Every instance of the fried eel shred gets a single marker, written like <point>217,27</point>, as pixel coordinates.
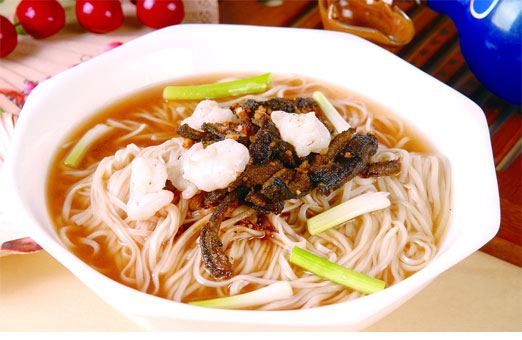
<point>275,173</point>
<point>214,258</point>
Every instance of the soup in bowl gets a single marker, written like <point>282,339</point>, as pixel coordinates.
<point>219,194</point>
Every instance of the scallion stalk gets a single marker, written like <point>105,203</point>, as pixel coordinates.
<point>276,291</point>
<point>334,272</point>
<point>330,112</point>
<point>219,90</point>
<point>78,152</point>
<point>345,211</point>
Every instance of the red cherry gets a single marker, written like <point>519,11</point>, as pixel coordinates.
<point>99,16</point>
<point>8,37</point>
<point>158,14</point>
<point>40,19</point>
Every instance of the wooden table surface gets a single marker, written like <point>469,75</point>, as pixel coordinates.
<point>435,50</point>
<point>29,300</point>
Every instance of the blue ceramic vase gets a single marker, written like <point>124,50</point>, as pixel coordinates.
<point>490,33</point>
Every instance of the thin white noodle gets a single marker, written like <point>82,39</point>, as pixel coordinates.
<point>161,255</point>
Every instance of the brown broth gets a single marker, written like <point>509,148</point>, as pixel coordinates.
<point>58,184</point>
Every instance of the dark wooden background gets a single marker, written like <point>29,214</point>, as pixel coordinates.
<point>435,50</point>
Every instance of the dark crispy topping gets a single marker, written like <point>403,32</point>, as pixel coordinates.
<point>263,204</point>
<point>220,131</point>
<point>379,169</point>
<point>213,132</point>
<point>339,143</point>
<point>298,105</point>
<point>268,145</point>
<point>301,185</point>
<point>330,174</point>
<point>258,111</point>
<point>245,119</point>
<point>256,175</point>
<point>286,153</point>
<point>186,131</point>
<point>263,147</point>
<point>276,188</point>
<point>216,261</point>
<point>275,172</point>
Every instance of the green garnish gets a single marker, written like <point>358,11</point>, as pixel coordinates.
<point>330,112</point>
<point>219,90</point>
<point>334,272</point>
<point>78,152</point>
<point>345,211</point>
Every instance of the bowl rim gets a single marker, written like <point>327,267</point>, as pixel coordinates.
<point>140,303</point>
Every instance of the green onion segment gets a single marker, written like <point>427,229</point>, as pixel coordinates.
<point>345,211</point>
<point>219,90</point>
<point>78,152</point>
<point>334,272</point>
<point>330,112</point>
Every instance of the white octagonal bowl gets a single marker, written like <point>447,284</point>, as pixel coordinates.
<point>451,122</point>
